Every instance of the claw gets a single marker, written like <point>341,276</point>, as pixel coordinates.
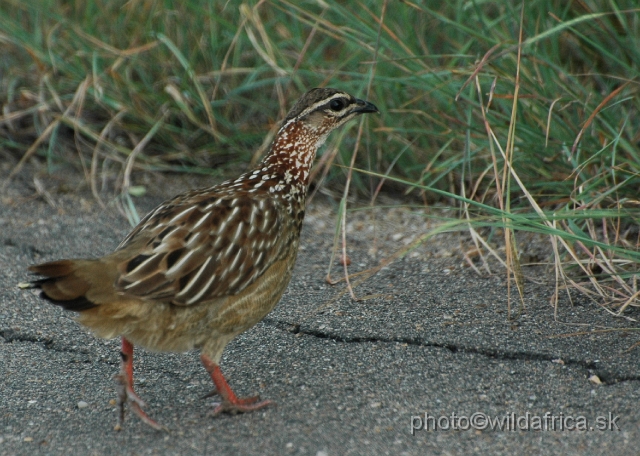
<point>213,392</point>
<point>244,405</point>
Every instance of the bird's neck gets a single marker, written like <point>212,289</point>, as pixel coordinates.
<point>284,172</point>
<point>291,155</point>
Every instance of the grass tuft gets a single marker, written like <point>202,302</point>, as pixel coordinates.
<point>522,116</point>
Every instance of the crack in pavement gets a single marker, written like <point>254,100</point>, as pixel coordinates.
<point>10,335</point>
<point>605,377</point>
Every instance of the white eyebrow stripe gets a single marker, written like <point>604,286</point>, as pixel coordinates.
<point>320,103</point>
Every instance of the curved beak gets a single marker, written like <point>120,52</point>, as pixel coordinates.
<point>364,106</point>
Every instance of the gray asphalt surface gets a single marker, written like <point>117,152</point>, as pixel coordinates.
<point>348,377</point>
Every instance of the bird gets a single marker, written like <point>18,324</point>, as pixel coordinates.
<point>207,264</point>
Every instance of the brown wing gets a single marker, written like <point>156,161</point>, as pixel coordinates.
<point>199,247</point>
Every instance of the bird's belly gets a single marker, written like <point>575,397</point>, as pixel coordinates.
<point>210,325</point>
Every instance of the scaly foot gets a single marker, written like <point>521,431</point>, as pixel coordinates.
<point>126,392</point>
<point>230,402</point>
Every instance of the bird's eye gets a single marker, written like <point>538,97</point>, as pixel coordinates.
<point>337,104</point>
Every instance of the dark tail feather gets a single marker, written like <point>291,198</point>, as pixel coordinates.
<point>61,285</point>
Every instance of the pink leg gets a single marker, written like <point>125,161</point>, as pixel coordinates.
<point>126,392</point>
<point>230,402</point>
